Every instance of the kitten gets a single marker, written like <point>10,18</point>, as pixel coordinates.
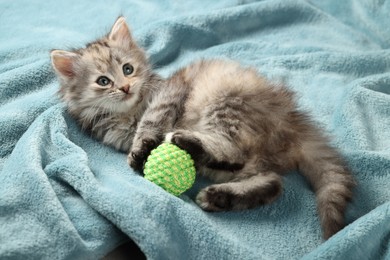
<point>242,131</point>
<point>107,85</point>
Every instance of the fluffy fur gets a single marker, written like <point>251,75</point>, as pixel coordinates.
<point>242,131</point>
<point>111,112</point>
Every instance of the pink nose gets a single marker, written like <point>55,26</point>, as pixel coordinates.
<point>125,88</point>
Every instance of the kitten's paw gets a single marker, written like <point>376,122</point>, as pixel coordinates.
<point>188,142</point>
<point>216,198</point>
<point>138,155</point>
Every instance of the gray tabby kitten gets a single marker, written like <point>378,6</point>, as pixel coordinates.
<point>242,131</point>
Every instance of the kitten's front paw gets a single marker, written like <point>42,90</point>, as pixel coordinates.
<point>138,155</point>
<point>216,198</point>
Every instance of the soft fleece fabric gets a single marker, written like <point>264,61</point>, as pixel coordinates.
<point>65,196</point>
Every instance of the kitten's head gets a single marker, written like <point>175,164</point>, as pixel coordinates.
<point>108,75</point>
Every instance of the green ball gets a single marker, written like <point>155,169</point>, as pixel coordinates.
<point>171,168</point>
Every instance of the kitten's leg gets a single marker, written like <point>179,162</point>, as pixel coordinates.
<point>158,119</point>
<point>212,150</point>
<point>259,189</point>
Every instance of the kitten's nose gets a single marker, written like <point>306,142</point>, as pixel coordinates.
<point>125,88</point>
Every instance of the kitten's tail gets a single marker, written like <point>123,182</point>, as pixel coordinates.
<point>333,184</point>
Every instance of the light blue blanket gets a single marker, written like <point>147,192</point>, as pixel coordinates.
<point>65,196</point>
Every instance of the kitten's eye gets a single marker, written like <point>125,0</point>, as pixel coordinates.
<point>127,69</point>
<point>103,81</point>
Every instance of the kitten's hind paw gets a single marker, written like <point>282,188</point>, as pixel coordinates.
<point>248,193</point>
<point>213,198</point>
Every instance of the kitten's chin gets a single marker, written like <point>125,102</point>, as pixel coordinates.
<point>127,103</point>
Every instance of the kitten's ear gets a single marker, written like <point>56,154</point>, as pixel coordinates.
<point>64,62</point>
<point>120,31</point>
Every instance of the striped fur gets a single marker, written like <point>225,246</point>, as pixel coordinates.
<point>242,131</point>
